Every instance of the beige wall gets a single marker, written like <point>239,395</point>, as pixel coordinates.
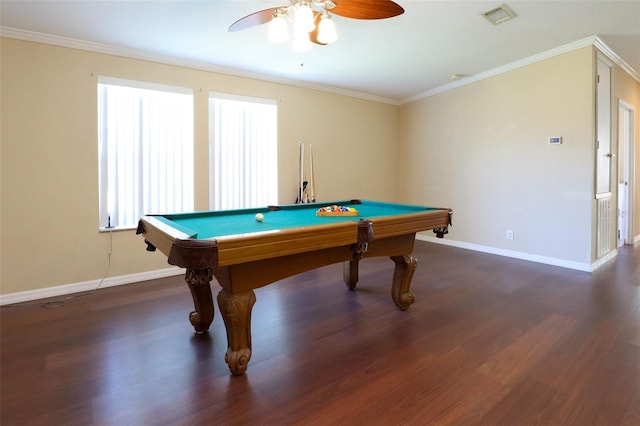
<point>49,174</point>
<point>483,150</point>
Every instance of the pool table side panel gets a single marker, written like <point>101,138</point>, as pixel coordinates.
<point>253,247</point>
<point>411,223</point>
<point>242,277</point>
<point>247,276</point>
<point>392,246</point>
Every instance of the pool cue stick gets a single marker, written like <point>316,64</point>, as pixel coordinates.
<point>312,180</point>
<point>300,172</point>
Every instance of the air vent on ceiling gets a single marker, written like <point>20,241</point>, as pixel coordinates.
<point>499,14</point>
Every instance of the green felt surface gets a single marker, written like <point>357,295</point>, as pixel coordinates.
<point>202,225</point>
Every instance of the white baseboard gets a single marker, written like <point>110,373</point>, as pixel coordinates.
<point>586,267</point>
<point>604,259</point>
<point>63,290</point>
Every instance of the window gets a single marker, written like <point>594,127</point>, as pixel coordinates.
<point>145,149</point>
<point>243,149</point>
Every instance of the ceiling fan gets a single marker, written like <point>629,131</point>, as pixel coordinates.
<point>311,19</point>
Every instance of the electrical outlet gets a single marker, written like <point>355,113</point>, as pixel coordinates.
<point>509,234</point>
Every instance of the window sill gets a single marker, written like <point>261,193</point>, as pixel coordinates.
<point>104,229</point>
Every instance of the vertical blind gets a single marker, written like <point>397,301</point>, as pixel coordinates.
<point>145,150</point>
<point>243,152</point>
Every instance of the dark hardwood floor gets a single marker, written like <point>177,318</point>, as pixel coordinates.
<point>489,341</point>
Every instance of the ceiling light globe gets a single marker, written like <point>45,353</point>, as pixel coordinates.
<point>327,30</point>
<point>303,17</point>
<point>278,30</point>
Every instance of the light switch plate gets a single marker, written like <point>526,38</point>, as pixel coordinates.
<point>555,140</point>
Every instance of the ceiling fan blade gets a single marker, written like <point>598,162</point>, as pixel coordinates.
<point>254,19</point>
<point>367,9</point>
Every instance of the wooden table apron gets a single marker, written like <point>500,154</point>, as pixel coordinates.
<point>241,264</point>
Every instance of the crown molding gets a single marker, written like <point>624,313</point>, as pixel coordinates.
<point>125,52</point>
<point>615,58</point>
<point>236,72</point>
<point>585,42</point>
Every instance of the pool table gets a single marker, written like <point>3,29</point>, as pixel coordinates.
<point>243,253</point>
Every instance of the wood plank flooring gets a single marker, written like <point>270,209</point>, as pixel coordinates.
<point>489,341</point>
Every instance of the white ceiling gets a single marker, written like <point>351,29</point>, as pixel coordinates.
<point>392,59</point>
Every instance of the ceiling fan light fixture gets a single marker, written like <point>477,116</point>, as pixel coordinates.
<point>312,21</point>
<point>327,29</point>
<point>278,30</point>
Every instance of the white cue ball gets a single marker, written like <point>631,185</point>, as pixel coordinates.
<point>259,217</point>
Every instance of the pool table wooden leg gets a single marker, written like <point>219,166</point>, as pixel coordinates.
<point>350,273</point>
<point>402,275</point>
<point>350,268</point>
<point>199,281</point>
<point>236,312</point>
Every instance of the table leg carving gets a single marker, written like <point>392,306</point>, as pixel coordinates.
<point>199,281</point>
<point>402,275</point>
<point>236,312</point>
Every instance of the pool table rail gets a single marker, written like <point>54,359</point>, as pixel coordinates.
<point>243,248</point>
<point>248,247</point>
<point>265,245</point>
<point>411,223</point>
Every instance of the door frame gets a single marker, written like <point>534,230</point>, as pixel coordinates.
<point>626,153</point>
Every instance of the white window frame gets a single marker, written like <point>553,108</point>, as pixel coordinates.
<point>159,160</point>
<point>243,156</point>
